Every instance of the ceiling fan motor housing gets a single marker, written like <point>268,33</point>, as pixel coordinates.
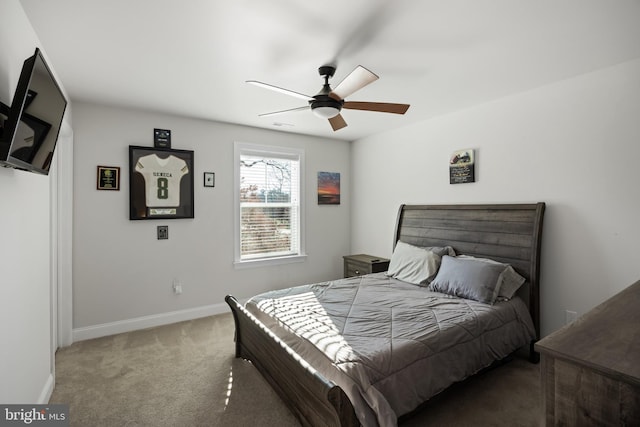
<point>323,105</point>
<point>324,100</point>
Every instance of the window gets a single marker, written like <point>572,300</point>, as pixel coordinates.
<point>269,220</point>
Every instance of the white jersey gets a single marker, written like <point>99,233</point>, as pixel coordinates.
<point>162,179</point>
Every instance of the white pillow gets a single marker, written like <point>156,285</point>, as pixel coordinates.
<point>413,264</point>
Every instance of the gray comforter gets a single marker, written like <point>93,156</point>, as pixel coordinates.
<point>391,345</point>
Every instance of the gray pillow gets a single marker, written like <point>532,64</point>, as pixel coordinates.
<point>468,278</point>
<point>510,280</point>
<point>441,250</point>
<point>413,264</point>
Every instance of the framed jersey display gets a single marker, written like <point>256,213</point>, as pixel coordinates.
<point>160,183</point>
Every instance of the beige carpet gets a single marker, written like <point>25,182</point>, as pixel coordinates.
<point>185,375</point>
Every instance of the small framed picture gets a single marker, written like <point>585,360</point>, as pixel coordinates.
<point>462,168</point>
<point>328,188</point>
<point>162,138</point>
<point>108,178</point>
<point>209,179</point>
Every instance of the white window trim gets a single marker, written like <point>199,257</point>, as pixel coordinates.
<point>266,150</point>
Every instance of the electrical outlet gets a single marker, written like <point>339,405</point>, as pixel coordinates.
<point>569,316</point>
<point>177,287</point>
<point>163,232</point>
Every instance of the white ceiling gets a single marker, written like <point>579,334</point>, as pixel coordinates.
<point>192,57</point>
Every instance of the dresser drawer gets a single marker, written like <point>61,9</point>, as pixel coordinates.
<point>357,265</point>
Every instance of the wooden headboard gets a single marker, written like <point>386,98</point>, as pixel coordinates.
<point>509,233</point>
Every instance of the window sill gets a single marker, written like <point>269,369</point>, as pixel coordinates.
<point>263,262</point>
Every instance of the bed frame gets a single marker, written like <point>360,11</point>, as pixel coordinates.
<point>508,233</point>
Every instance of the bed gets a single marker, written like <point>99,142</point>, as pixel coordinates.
<point>367,350</point>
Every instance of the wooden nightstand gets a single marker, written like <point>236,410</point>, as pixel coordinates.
<point>357,265</point>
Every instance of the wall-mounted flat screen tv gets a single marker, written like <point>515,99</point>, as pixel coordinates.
<point>30,127</point>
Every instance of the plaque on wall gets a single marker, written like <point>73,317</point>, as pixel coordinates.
<point>108,178</point>
<point>462,167</point>
<point>162,138</point>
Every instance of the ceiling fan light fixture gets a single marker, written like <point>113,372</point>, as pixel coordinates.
<point>326,112</point>
<point>324,106</point>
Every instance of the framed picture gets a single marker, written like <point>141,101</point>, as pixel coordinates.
<point>162,138</point>
<point>328,188</point>
<point>160,183</point>
<point>462,167</point>
<point>108,178</point>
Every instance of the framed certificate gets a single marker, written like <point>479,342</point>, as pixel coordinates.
<point>160,183</point>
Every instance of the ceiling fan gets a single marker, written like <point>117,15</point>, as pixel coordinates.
<point>328,103</point>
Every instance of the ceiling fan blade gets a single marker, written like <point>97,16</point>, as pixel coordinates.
<point>281,90</point>
<point>359,78</point>
<point>337,122</point>
<point>306,107</point>
<point>382,107</point>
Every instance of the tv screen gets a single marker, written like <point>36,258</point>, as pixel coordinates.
<point>32,124</point>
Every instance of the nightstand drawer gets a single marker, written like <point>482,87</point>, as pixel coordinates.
<point>357,265</point>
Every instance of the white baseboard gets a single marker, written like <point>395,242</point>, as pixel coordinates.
<point>47,390</point>
<point>112,328</point>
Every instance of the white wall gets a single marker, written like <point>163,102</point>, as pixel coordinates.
<point>123,275</point>
<point>26,355</point>
<point>574,145</point>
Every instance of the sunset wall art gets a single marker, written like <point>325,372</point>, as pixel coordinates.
<point>328,188</point>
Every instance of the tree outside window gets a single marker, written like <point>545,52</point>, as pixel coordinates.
<point>269,204</point>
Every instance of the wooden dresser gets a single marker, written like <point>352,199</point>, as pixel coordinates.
<point>590,369</point>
